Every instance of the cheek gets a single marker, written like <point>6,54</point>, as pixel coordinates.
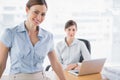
<point>68,33</point>
<point>30,15</point>
<point>42,18</point>
<point>74,32</point>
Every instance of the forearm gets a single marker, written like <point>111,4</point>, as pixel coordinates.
<point>1,70</point>
<point>2,67</point>
<point>59,71</point>
<point>3,57</point>
<point>56,65</point>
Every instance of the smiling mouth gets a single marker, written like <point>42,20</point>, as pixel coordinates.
<point>36,21</point>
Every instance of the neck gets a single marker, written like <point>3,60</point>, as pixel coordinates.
<point>30,27</point>
<point>69,41</point>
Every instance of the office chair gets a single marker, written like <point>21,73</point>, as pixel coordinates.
<point>87,43</point>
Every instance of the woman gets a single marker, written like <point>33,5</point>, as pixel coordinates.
<point>70,49</point>
<point>28,44</point>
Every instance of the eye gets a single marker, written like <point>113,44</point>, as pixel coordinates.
<point>69,29</point>
<point>73,29</point>
<point>43,14</point>
<point>36,12</point>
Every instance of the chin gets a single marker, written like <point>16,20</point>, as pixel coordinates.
<point>71,37</point>
<point>35,24</point>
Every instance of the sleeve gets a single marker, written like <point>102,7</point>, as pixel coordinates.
<point>6,38</point>
<point>85,52</point>
<point>58,53</point>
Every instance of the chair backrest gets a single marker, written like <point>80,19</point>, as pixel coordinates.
<point>87,43</point>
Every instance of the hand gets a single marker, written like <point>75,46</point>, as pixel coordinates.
<point>71,66</point>
<point>77,68</point>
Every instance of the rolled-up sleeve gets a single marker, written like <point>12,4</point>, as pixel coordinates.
<point>6,37</point>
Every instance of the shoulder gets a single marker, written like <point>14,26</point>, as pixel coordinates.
<point>79,42</point>
<point>6,36</point>
<point>7,31</point>
<point>46,33</point>
<point>14,28</point>
<point>61,44</point>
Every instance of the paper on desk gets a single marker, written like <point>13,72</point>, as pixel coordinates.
<point>112,72</point>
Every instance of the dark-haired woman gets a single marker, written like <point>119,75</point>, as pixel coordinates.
<point>28,44</point>
<point>70,49</point>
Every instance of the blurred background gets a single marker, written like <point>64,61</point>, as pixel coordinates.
<point>98,21</point>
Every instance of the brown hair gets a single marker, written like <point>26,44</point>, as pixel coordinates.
<point>30,3</point>
<point>70,23</point>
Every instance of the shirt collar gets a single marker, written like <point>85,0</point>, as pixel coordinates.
<point>22,28</point>
<point>41,33</point>
<point>75,41</point>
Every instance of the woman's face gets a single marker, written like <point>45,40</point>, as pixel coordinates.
<point>71,31</point>
<point>36,14</point>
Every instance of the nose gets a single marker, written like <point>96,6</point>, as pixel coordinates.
<point>72,32</point>
<point>39,17</point>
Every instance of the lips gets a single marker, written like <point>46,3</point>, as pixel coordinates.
<point>36,21</point>
<point>71,35</point>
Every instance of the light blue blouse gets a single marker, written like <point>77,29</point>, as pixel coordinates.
<point>71,54</point>
<point>24,57</point>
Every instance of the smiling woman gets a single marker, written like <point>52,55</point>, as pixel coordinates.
<point>28,44</point>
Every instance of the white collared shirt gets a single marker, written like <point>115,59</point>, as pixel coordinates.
<point>71,54</point>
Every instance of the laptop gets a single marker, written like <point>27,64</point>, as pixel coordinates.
<point>89,67</point>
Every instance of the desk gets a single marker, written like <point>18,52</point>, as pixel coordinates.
<point>85,77</point>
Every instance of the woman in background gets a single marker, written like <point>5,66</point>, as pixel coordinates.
<point>70,49</point>
<point>28,45</point>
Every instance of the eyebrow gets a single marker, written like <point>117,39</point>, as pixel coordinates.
<point>39,11</point>
<point>36,10</point>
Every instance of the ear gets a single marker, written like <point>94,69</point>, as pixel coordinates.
<point>65,30</point>
<point>27,10</point>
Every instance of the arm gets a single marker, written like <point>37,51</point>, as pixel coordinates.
<point>85,52</point>
<point>58,51</point>
<point>66,67</point>
<point>3,57</point>
<point>56,65</point>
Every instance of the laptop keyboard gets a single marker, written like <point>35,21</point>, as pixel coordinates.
<point>75,71</point>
